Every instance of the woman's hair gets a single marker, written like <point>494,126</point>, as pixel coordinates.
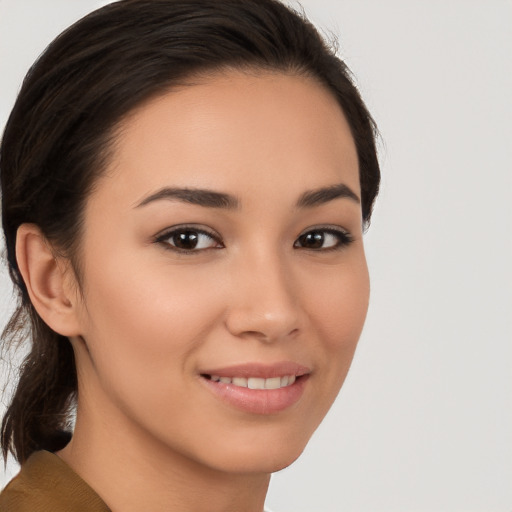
<point>62,128</point>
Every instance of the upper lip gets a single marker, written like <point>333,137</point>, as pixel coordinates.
<point>261,370</point>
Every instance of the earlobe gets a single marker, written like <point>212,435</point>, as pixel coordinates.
<point>46,278</point>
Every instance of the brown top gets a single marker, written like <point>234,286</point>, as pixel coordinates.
<point>47,484</point>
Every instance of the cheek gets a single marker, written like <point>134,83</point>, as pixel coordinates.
<point>146,322</point>
<point>340,305</point>
<point>338,311</point>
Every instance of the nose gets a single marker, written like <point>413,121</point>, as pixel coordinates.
<point>264,303</point>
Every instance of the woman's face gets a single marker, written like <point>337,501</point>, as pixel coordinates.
<point>222,251</point>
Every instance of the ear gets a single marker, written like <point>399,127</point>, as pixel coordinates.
<point>49,279</point>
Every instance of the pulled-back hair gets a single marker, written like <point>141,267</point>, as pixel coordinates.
<point>58,137</point>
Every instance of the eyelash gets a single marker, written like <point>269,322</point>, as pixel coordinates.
<point>163,239</point>
<point>343,239</point>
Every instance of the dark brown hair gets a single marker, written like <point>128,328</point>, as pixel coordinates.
<point>57,139</point>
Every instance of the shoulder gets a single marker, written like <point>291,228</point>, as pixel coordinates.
<point>46,483</point>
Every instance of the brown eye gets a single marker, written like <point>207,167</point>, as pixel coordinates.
<point>312,240</point>
<point>318,239</point>
<point>187,239</point>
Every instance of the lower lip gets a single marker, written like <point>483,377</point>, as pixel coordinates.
<point>258,401</point>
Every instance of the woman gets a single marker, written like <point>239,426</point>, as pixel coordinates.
<point>185,186</point>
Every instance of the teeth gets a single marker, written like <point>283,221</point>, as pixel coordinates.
<point>274,383</point>
<point>256,382</point>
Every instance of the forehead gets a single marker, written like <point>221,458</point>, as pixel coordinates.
<point>237,131</point>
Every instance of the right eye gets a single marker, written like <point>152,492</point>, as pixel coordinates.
<point>189,239</point>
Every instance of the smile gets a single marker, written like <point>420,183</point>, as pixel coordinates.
<point>256,382</point>
<point>258,388</point>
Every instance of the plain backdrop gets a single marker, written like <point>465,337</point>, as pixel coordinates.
<point>424,421</point>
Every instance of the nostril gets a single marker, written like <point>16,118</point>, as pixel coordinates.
<point>265,320</point>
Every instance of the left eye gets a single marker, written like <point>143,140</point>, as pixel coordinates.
<point>318,239</point>
<point>187,239</point>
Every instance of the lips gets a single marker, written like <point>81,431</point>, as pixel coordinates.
<point>258,388</point>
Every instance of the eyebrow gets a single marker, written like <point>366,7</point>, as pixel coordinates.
<point>326,194</point>
<point>200,197</point>
<point>212,199</point>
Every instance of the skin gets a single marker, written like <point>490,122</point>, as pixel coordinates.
<point>146,318</point>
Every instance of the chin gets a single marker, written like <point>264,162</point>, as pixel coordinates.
<point>258,463</point>
<point>257,454</point>
<point>277,460</point>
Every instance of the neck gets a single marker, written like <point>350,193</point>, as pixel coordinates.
<point>131,472</point>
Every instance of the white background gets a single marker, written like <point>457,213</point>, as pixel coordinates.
<point>424,422</point>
